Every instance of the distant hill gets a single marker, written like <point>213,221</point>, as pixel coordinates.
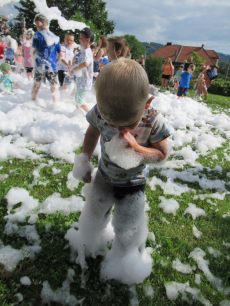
<point>152,47</point>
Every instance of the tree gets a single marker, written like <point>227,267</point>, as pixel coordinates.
<point>135,45</point>
<point>197,60</point>
<point>153,68</point>
<point>92,11</point>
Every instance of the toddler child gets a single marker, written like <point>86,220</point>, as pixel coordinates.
<point>18,58</point>
<point>102,62</point>
<point>123,109</point>
<point>184,80</point>
<point>27,55</point>
<point>67,51</point>
<point>6,80</point>
<point>9,52</point>
<point>177,75</point>
<point>116,47</point>
<point>46,47</point>
<point>85,65</point>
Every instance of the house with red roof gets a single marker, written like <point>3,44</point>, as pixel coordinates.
<point>180,53</point>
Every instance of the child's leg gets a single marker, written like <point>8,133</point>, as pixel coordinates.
<point>128,261</point>
<point>35,90</point>
<point>92,237</point>
<point>162,83</point>
<point>52,78</point>
<point>55,92</point>
<point>80,99</point>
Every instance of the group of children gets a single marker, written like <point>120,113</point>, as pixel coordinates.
<point>46,59</point>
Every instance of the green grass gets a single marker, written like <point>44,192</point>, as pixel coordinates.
<point>176,239</point>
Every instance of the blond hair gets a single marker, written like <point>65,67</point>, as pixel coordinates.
<point>192,67</point>
<point>122,90</point>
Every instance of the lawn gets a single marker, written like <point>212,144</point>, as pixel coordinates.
<point>208,281</point>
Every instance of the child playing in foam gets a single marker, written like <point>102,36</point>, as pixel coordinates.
<point>46,47</point>
<point>85,64</point>
<point>26,53</point>
<point>122,110</point>
<point>10,50</point>
<point>6,80</point>
<point>67,50</point>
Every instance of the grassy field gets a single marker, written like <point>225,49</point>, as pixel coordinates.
<point>173,240</point>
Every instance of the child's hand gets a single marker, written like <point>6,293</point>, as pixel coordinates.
<point>71,73</point>
<point>82,168</point>
<point>131,141</point>
<point>177,85</point>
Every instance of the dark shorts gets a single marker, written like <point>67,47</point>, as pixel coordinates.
<point>182,91</point>
<point>10,61</point>
<point>121,192</point>
<point>166,77</point>
<point>29,69</point>
<point>51,76</point>
<point>61,76</point>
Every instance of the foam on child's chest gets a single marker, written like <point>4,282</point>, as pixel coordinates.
<point>118,152</point>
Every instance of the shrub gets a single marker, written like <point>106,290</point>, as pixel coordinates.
<point>220,87</point>
<point>153,68</point>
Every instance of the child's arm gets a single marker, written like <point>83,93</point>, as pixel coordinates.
<point>99,55</point>
<point>82,167</point>
<point>178,81</point>
<point>156,153</point>
<point>16,84</point>
<point>81,66</point>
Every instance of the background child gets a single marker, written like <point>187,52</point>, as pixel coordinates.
<point>184,80</point>
<point>7,80</point>
<point>10,51</point>
<point>67,51</point>
<point>200,88</point>
<point>85,64</point>
<point>19,59</point>
<point>167,70</point>
<point>102,62</point>
<point>116,47</point>
<point>26,53</point>
<point>46,48</point>
<point>124,112</point>
<point>177,75</point>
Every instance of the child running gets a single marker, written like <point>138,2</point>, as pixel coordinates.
<point>123,108</point>
<point>85,65</point>
<point>7,80</point>
<point>46,48</point>
<point>26,53</point>
<point>183,81</point>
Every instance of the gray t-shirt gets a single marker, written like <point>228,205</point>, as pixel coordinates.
<point>86,80</point>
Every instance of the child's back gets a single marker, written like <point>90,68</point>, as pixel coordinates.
<point>47,46</point>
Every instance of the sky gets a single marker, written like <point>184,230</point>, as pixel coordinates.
<point>188,22</point>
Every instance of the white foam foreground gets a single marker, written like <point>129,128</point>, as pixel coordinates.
<point>31,129</point>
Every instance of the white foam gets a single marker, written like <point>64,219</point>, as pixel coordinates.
<point>183,268</point>
<point>194,211</point>
<point>25,281</point>
<point>169,205</point>
<point>196,232</point>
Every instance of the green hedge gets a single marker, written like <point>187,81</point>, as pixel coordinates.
<point>153,68</point>
<point>220,87</point>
